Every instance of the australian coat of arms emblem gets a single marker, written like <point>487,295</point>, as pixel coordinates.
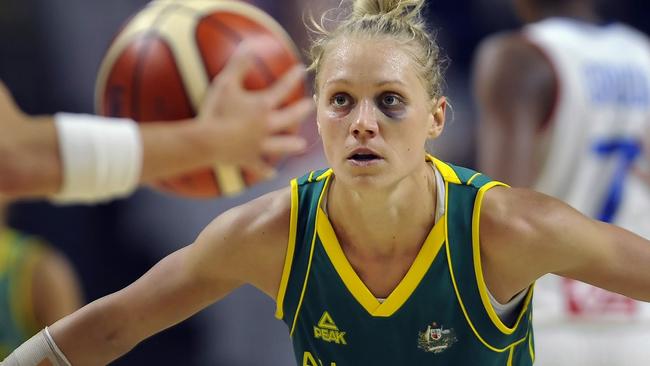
<point>436,338</point>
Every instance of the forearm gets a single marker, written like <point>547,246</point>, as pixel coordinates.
<point>630,264</point>
<point>619,262</point>
<point>96,334</point>
<point>30,164</point>
<point>173,148</point>
<point>109,327</point>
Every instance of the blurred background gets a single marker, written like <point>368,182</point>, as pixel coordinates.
<point>50,51</point>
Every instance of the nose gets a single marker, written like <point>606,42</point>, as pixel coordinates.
<point>365,125</point>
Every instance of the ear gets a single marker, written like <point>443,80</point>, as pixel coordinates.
<point>437,118</point>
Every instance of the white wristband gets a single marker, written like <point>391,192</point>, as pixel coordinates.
<point>101,157</point>
<point>34,351</point>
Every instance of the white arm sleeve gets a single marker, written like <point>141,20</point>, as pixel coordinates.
<point>37,349</point>
<point>101,157</point>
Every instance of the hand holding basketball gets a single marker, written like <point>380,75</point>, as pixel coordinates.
<point>251,122</point>
<point>162,63</point>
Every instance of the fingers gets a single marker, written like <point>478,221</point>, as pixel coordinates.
<point>233,73</point>
<point>239,63</point>
<point>283,145</point>
<point>291,116</point>
<point>283,87</point>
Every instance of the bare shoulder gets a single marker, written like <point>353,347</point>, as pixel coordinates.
<point>520,212</point>
<point>521,216</point>
<point>248,242</point>
<point>509,218</point>
<point>263,218</point>
<point>524,235</point>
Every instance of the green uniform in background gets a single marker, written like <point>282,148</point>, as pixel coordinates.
<point>439,314</point>
<point>18,255</point>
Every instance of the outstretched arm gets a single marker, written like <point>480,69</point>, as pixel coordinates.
<point>234,126</point>
<point>525,235</point>
<point>244,245</point>
<point>514,86</point>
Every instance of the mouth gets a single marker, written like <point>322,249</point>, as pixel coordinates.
<point>364,157</point>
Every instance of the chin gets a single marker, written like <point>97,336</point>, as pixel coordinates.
<point>363,179</point>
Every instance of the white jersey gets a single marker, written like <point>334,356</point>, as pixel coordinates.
<point>601,116</point>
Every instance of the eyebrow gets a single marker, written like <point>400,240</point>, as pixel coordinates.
<point>392,81</point>
<point>337,81</point>
<point>348,82</point>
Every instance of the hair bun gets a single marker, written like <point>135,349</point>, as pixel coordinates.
<point>404,9</point>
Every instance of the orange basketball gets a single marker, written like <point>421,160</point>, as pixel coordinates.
<point>161,63</point>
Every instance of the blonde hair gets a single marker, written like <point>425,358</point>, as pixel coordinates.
<point>400,20</point>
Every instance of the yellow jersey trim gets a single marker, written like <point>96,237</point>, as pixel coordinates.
<point>478,268</point>
<point>326,174</point>
<point>355,285</point>
<point>445,170</point>
<point>472,178</point>
<point>291,248</point>
<point>311,253</point>
<point>460,300</point>
<point>512,351</point>
<point>530,347</point>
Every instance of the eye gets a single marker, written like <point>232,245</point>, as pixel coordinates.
<point>340,100</point>
<point>390,100</point>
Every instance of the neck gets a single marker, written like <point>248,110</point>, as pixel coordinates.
<point>384,222</point>
<point>580,10</point>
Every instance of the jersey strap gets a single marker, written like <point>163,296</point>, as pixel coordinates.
<point>306,195</point>
<point>470,287</point>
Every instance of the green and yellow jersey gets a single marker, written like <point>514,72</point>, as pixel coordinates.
<point>18,256</point>
<point>439,314</point>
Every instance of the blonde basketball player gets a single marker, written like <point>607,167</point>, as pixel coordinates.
<point>565,108</point>
<point>391,257</point>
<point>66,157</point>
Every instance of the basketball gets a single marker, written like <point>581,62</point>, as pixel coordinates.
<point>161,63</point>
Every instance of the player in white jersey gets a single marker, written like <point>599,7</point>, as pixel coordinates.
<point>564,108</point>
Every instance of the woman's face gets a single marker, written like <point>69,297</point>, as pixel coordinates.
<point>374,114</point>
